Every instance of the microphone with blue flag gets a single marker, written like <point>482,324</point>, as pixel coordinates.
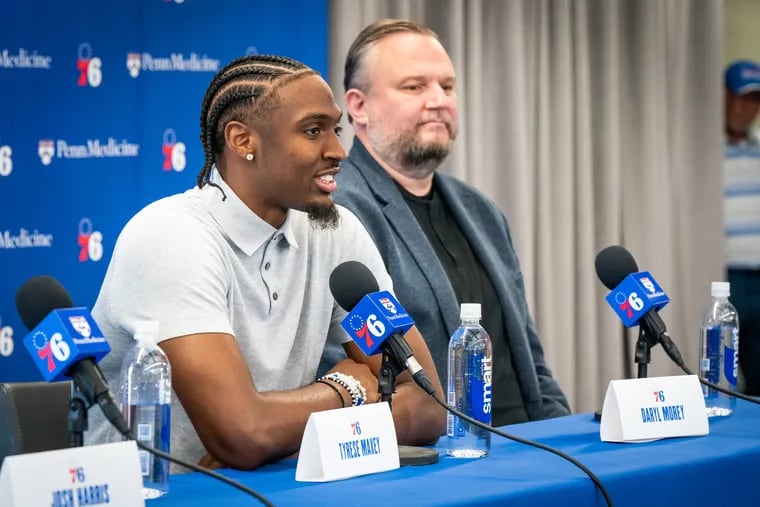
<point>65,342</point>
<point>376,321</point>
<point>63,338</point>
<point>634,297</point>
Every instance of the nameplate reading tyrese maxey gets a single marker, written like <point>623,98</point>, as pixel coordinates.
<point>637,410</point>
<point>107,474</point>
<point>347,442</point>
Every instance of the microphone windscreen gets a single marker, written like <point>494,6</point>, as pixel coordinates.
<point>350,282</point>
<point>613,264</point>
<point>39,296</point>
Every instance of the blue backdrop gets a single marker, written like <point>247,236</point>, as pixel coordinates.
<point>100,107</point>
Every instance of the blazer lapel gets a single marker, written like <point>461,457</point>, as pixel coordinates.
<point>404,222</point>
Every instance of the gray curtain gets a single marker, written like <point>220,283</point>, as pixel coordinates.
<point>590,123</point>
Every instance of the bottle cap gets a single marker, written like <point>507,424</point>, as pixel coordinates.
<point>146,331</point>
<point>720,289</point>
<point>469,311</point>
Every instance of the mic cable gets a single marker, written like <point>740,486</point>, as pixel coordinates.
<point>532,443</point>
<point>197,468</point>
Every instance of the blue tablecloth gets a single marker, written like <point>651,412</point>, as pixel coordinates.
<point>718,469</point>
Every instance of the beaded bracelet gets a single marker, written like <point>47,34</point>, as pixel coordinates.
<point>331,386</point>
<point>350,384</point>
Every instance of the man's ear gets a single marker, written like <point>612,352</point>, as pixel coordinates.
<point>240,139</point>
<point>356,106</point>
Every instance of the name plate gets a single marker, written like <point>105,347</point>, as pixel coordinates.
<point>347,442</point>
<point>107,474</point>
<point>637,410</point>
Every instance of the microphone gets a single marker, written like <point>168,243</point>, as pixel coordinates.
<point>65,342</point>
<point>376,320</point>
<point>635,296</point>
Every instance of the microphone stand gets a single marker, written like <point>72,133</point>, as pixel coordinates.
<point>386,378</point>
<point>643,354</point>
<point>392,364</point>
<point>77,422</point>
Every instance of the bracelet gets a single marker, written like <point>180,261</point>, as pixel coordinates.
<point>331,386</point>
<point>350,384</point>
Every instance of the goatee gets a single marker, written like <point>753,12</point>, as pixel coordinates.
<point>323,216</point>
<point>423,160</point>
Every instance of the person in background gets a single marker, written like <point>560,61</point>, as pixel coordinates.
<point>236,273</point>
<point>443,242</point>
<point>742,212</point>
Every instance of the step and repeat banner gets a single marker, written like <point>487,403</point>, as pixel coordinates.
<point>99,115</point>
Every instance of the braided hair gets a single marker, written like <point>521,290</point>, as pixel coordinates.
<point>243,90</point>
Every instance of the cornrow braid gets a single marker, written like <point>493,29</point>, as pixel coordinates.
<point>243,89</point>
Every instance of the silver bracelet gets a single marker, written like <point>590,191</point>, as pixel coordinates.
<point>354,387</point>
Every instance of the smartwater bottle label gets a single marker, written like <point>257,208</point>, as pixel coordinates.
<point>731,365</point>
<point>713,339</point>
<point>480,388</point>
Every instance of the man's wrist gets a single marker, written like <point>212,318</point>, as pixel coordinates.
<point>354,388</point>
<point>338,390</point>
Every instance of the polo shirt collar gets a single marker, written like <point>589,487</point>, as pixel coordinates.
<point>244,227</point>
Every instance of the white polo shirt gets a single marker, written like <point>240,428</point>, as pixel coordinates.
<point>198,264</point>
<point>741,165</point>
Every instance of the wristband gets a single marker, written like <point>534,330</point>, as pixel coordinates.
<point>331,386</point>
<point>350,384</point>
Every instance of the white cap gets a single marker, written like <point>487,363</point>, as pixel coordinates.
<point>469,311</point>
<point>720,289</point>
<point>146,331</point>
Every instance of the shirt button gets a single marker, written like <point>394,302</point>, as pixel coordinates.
<point>274,296</point>
<point>266,266</point>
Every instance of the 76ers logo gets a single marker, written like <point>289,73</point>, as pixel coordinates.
<point>174,152</point>
<point>55,349</point>
<point>6,162</point>
<point>89,67</point>
<point>366,330</point>
<point>629,304</point>
<point>6,340</point>
<point>90,242</point>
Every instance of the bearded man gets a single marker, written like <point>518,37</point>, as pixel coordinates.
<point>443,242</point>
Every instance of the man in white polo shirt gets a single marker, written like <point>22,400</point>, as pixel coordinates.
<point>742,211</point>
<point>236,272</point>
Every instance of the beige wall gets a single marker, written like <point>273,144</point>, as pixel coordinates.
<point>742,38</point>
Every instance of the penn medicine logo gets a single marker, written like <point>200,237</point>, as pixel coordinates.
<point>49,149</point>
<point>46,151</point>
<point>175,62</point>
<point>89,66</point>
<point>24,59</point>
<point>6,339</point>
<point>388,304</point>
<point>174,152</point>
<point>80,325</point>
<point>90,242</point>
<point>24,239</point>
<point>6,160</point>
<point>648,285</point>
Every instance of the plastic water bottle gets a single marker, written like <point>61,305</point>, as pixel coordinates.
<point>145,400</point>
<point>719,350</point>
<point>469,386</point>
